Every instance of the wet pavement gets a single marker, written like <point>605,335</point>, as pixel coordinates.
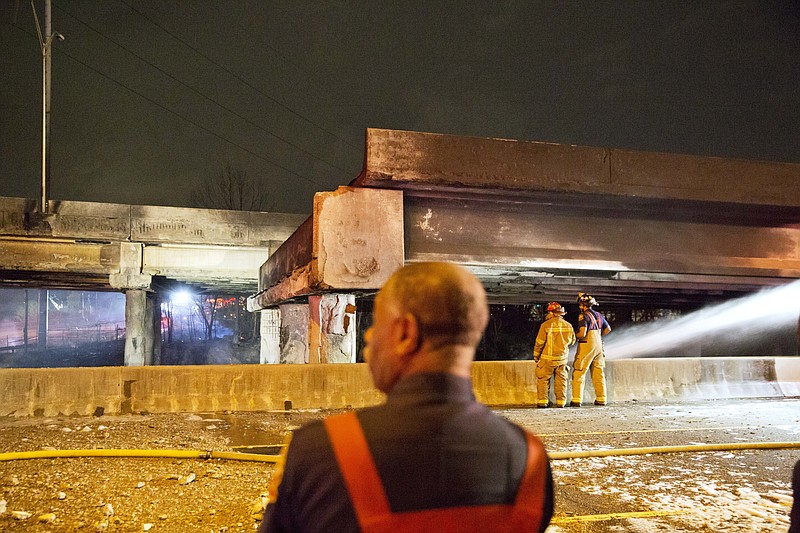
<point>740,490</point>
<point>747,490</point>
<point>736,491</point>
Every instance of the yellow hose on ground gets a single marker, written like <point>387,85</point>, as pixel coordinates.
<point>166,454</point>
<point>240,456</point>
<point>556,456</point>
<point>256,457</point>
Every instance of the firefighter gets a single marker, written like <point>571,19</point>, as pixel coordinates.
<point>589,357</point>
<point>550,352</point>
<point>431,458</point>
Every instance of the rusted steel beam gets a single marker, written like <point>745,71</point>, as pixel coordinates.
<point>290,257</point>
<point>537,220</point>
<point>477,233</point>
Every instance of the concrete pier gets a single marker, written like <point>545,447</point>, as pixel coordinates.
<point>140,333</point>
<point>294,333</point>
<point>164,389</point>
<point>270,329</point>
<point>332,328</point>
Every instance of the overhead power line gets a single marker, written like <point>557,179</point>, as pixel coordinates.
<point>190,121</point>
<point>199,93</point>
<point>242,80</point>
<point>200,126</point>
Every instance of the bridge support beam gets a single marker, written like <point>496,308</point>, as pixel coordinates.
<point>294,333</point>
<point>332,328</point>
<point>139,331</point>
<point>321,331</point>
<point>270,336</point>
<point>353,242</point>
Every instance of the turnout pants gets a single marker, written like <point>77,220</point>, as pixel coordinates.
<point>546,370</point>
<point>589,357</point>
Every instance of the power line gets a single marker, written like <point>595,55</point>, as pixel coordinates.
<point>245,82</point>
<point>247,120</point>
<point>199,126</point>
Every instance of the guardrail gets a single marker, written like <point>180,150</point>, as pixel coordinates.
<point>100,332</point>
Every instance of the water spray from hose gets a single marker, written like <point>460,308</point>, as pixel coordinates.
<point>762,315</point>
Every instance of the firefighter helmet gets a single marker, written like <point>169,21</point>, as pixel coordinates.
<point>557,308</point>
<point>586,299</point>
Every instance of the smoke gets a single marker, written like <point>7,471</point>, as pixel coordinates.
<point>758,316</point>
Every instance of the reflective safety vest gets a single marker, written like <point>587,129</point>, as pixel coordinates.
<point>372,507</point>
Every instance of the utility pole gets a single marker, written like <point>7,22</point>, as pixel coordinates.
<point>45,42</point>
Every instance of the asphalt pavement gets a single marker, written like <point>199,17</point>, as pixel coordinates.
<point>733,490</point>
<point>730,490</point>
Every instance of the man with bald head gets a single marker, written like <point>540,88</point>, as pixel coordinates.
<point>431,458</point>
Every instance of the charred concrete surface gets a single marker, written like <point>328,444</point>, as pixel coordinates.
<point>353,241</point>
<point>415,160</point>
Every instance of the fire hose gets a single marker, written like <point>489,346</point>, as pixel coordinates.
<point>256,457</point>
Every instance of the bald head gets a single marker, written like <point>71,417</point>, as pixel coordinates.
<point>428,317</point>
<point>448,302</point>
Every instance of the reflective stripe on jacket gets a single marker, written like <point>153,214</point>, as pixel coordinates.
<point>371,505</point>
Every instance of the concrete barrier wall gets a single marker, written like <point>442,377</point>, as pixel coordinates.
<point>159,389</point>
<point>164,389</point>
<point>695,378</point>
<point>787,374</point>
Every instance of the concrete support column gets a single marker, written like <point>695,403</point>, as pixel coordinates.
<point>154,301</point>
<point>138,328</point>
<point>44,318</point>
<point>270,336</point>
<point>294,333</point>
<point>332,328</point>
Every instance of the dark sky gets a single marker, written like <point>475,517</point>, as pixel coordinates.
<point>150,97</point>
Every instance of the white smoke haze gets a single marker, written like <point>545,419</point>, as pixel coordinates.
<point>758,316</point>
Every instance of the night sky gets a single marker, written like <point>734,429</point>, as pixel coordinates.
<point>150,97</point>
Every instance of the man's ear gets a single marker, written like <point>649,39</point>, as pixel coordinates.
<point>409,341</point>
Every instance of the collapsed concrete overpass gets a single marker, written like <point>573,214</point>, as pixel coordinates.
<point>536,222</point>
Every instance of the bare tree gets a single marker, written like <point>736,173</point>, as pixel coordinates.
<point>207,307</point>
<point>232,189</point>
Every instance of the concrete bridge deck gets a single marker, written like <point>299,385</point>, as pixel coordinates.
<point>145,251</point>
<point>85,245</point>
<point>540,221</point>
<point>169,389</point>
<point>534,221</point>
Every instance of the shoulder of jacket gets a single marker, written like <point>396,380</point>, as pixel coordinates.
<point>309,436</point>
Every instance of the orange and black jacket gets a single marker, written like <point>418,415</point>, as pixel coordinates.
<point>430,458</point>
